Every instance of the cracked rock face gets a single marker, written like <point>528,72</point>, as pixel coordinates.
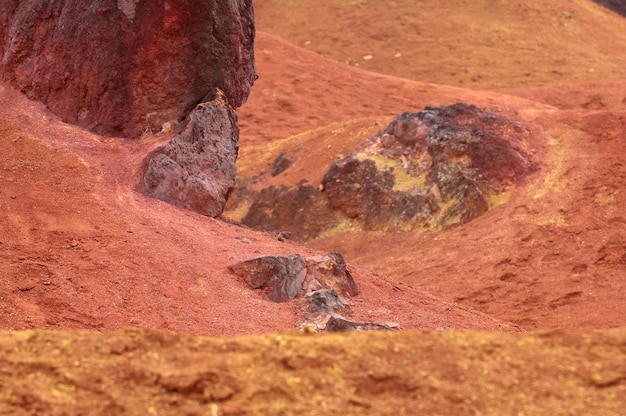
<point>122,67</point>
<point>433,169</point>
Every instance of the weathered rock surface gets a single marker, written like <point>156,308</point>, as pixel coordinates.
<point>196,169</point>
<point>433,169</point>
<point>325,310</point>
<point>338,323</point>
<point>283,278</point>
<point>301,211</point>
<point>120,67</point>
<point>328,301</point>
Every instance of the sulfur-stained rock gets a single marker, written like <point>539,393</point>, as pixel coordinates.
<point>283,278</point>
<point>438,167</point>
<point>196,169</point>
<point>121,67</point>
<point>430,170</point>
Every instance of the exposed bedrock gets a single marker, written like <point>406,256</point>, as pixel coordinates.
<point>122,67</point>
<point>433,169</point>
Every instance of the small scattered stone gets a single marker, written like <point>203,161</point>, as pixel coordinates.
<point>281,164</point>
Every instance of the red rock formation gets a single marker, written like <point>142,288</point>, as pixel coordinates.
<point>120,67</point>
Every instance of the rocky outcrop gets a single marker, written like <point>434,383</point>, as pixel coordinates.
<point>196,169</point>
<point>439,167</point>
<point>433,169</point>
<point>318,283</point>
<point>283,278</point>
<point>121,67</point>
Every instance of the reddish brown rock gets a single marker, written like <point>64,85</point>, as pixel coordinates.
<point>433,169</point>
<point>436,168</point>
<point>301,211</point>
<point>283,278</point>
<point>120,67</point>
<point>196,169</point>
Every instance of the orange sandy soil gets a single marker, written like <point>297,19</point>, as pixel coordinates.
<point>79,249</point>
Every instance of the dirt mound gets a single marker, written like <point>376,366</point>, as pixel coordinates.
<point>460,373</point>
<point>478,44</point>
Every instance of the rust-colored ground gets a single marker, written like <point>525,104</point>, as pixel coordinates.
<point>79,249</point>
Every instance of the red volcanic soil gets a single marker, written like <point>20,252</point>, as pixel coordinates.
<point>81,249</point>
<point>550,256</point>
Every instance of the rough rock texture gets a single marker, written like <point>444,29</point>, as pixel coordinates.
<point>338,323</point>
<point>325,310</point>
<point>433,169</point>
<point>301,211</point>
<point>120,67</point>
<point>283,278</point>
<point>328,301</point>
<point>438,167</point>
<point>196,169</point>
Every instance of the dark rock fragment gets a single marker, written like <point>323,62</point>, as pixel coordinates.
<point>328,301</point>
<point>281,164</point>
<point>283,278</point>
<point>302,211</point>
<point>325,310</point>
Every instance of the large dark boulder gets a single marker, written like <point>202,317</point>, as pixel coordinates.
<point>121,67</point>
<point>438,167</point>
<point>434,169</point>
